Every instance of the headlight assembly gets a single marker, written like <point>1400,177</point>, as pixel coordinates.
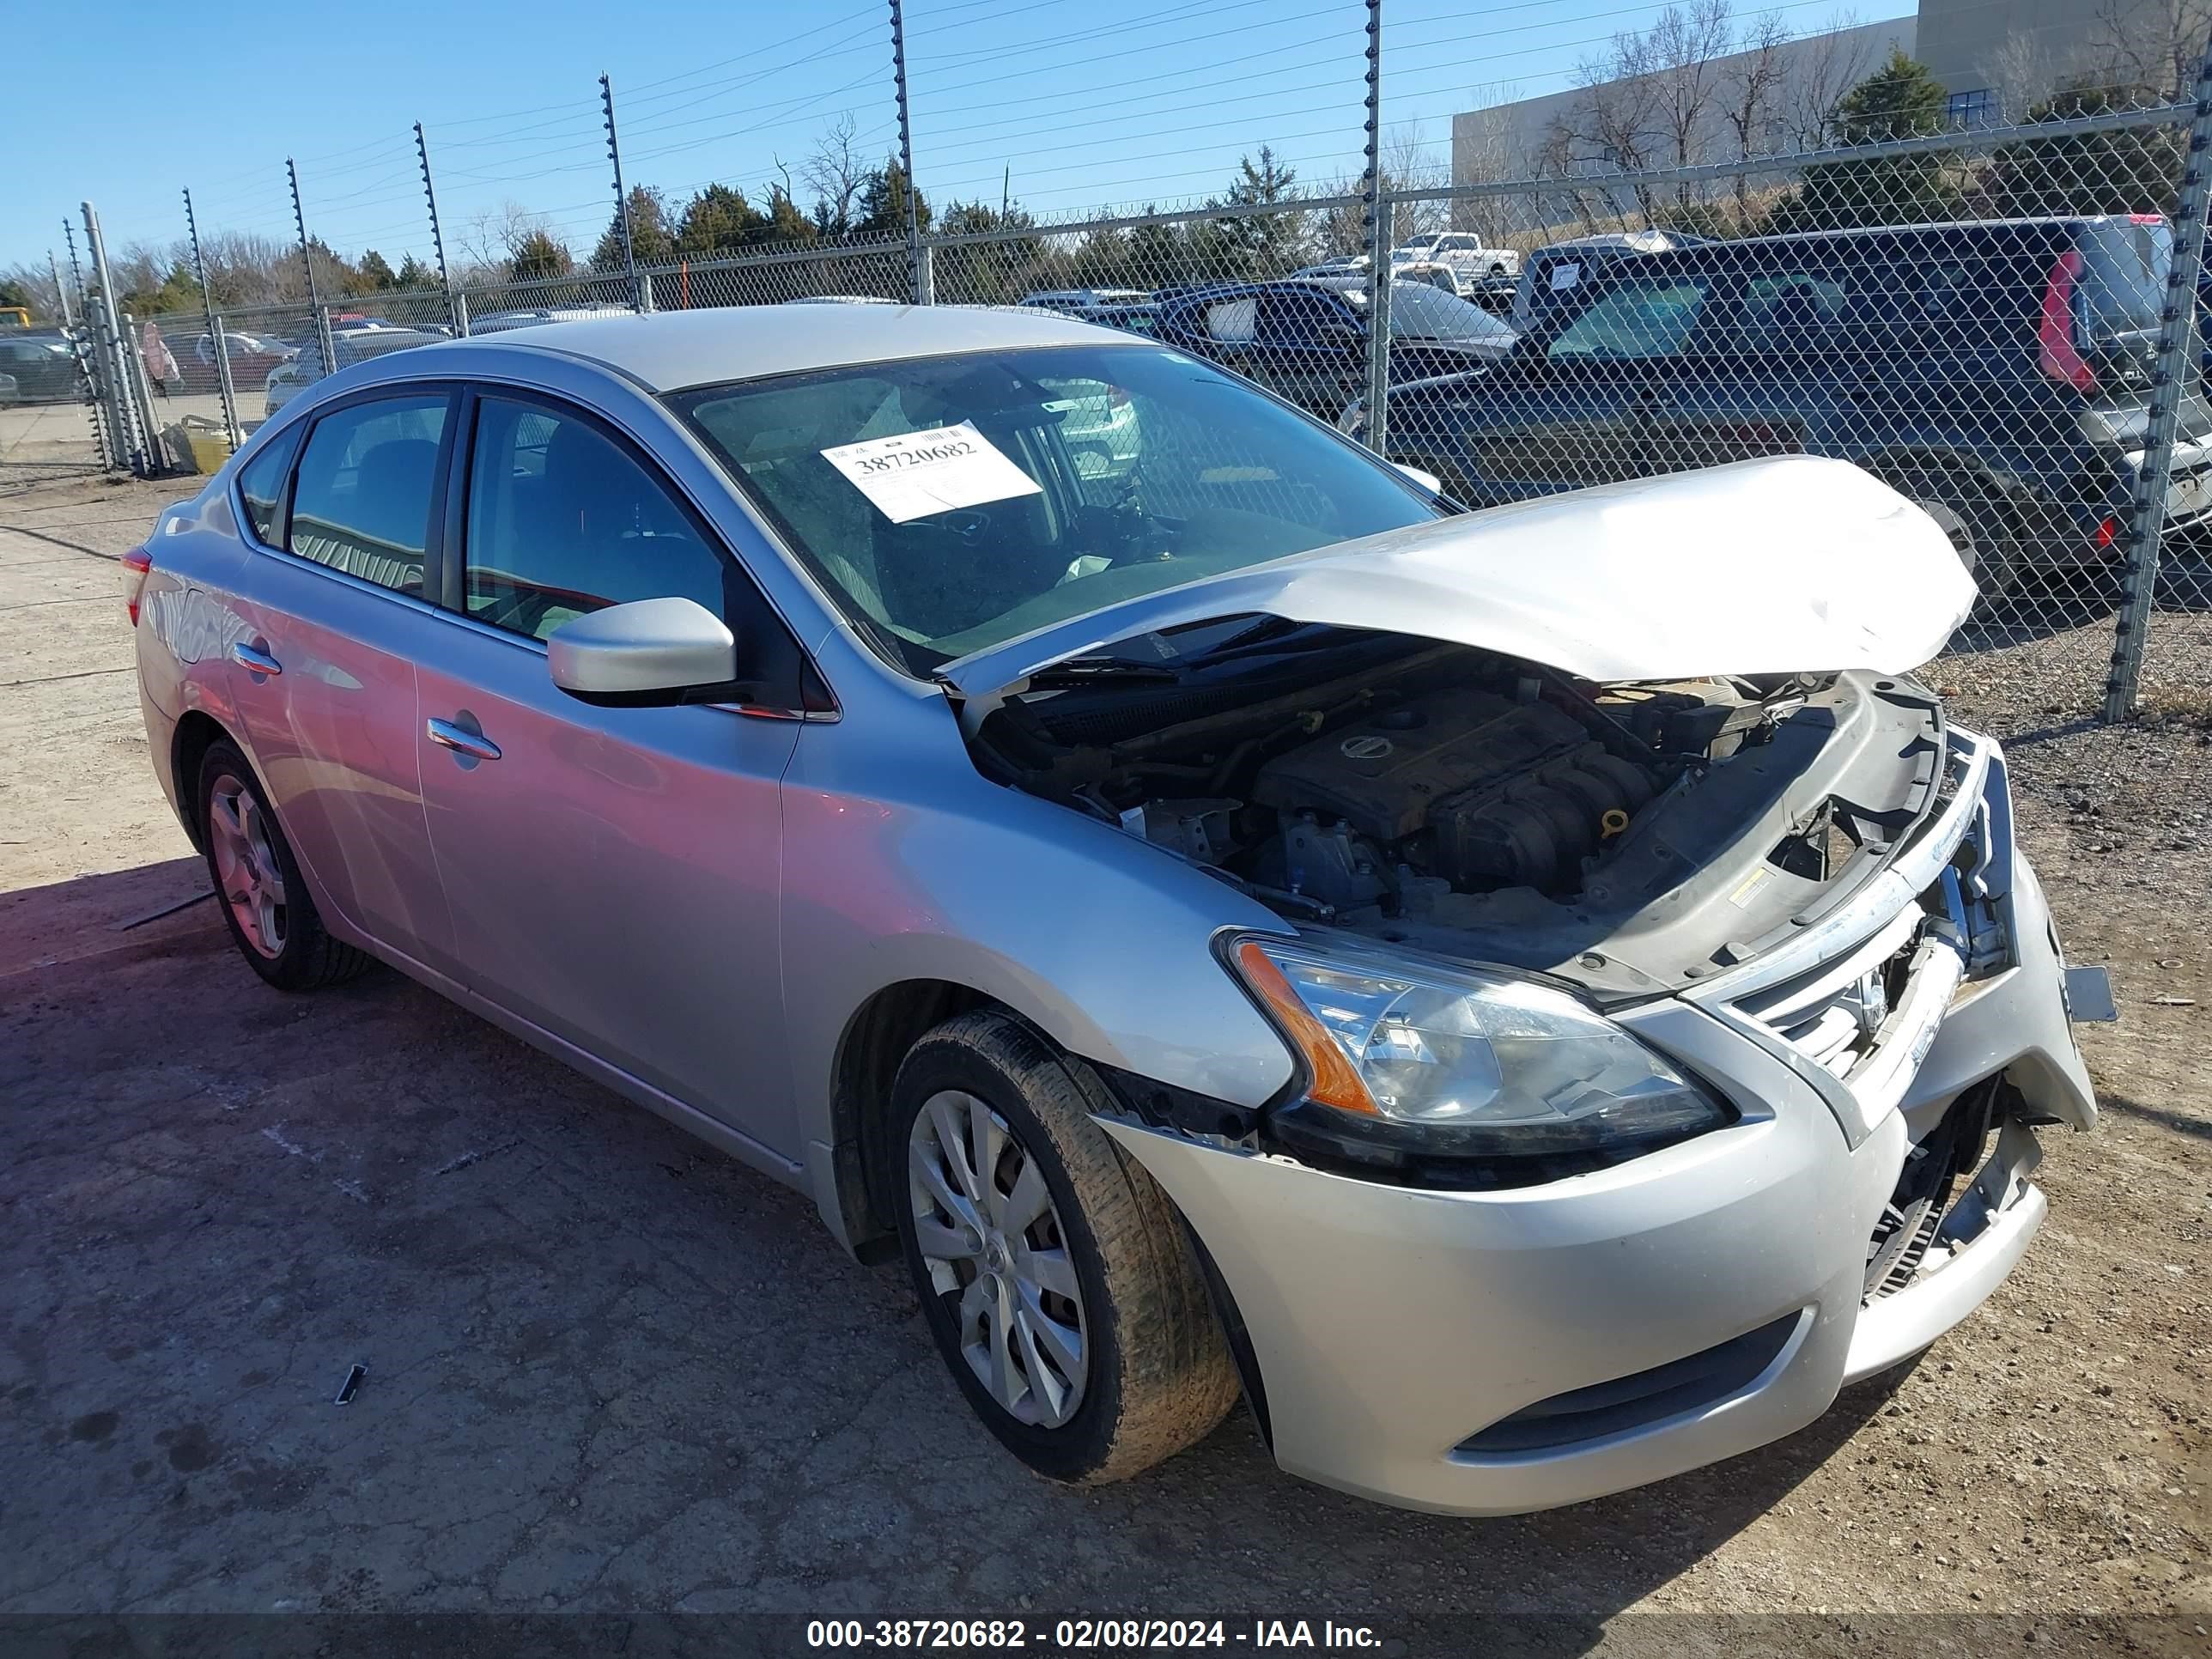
<point>1464,1076</point>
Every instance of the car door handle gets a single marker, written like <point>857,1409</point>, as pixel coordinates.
<point>461,741</point>
<point>255,661</point>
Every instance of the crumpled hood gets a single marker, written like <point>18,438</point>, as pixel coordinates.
<point>1793,565</point>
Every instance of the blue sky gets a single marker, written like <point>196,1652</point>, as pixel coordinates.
<point>1089,107</point>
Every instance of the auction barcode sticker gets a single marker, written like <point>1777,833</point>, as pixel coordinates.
<point>919,473</point>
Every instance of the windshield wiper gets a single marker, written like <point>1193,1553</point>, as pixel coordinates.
<point>1089,670</point>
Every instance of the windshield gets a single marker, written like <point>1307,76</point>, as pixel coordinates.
<point>1418,311</point>
<point>953,503</point>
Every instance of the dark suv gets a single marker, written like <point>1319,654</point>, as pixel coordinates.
<point>1997,371</point>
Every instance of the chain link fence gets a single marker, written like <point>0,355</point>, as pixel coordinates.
<point>48,418</point>
<point>2001,323</point>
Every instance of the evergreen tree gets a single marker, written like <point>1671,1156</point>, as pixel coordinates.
<point>413,273</point>
<point>882,202</point>
<point>653,239</point>
<point>717,221</point>
<point>1900,99</point>
<point>540,254</point>
<point>376,275</point>
<point>2132,170</point>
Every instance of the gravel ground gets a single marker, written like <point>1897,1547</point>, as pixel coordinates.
<point>611,1372</point>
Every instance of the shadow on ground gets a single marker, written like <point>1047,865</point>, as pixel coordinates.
<point>606,1368</point>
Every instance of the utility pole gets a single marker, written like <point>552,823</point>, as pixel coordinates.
<point>919,284</point>
<point>454,307</point>
<point>622,198</point>
<point>307,260</point>
<point>1377,214</point>
<point>215,342</point>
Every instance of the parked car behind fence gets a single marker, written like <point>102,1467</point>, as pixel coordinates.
<point>1306,338</point>
<point>351,346</point>
<point>41,368</point>
<point>1997,373</point>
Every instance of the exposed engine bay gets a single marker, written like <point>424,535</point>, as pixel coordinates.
<point>1629,836</point>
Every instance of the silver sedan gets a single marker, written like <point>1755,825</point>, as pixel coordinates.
<point>1533,1001</point>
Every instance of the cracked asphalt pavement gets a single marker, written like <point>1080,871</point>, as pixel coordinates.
<point>609,1371</point>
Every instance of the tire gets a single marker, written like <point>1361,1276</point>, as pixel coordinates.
<point>1154,1373</point>
<point>1981,529</point>
<point>272,922</point>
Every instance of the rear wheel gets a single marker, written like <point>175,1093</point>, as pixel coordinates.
<point>264,900</point>
<point>1053,1272</point>
<point>1980,528</point>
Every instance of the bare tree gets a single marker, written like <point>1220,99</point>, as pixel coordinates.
<point>1558,156</point>
<point>1751,95</point>
<point>836,172</point>
<point>1826,66</point>
<point>491,238</point>
<point>2020,70</point>
<point>1481,146</point>
<point>1407,164</point>
<point>2152,45</point>
<point>1680,54</point>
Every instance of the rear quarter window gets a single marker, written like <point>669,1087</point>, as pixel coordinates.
<point>261,489</point>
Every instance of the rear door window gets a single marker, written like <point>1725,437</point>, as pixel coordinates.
<point>367,476</point>
<point>1651,317</point>
<point>1302,321</point>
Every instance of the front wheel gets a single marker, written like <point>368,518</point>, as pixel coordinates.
<point>1053,1272</point>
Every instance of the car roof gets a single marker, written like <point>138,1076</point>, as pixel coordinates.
<point>668,350</point>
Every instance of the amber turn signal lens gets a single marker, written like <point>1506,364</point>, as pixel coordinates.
<point>1333,1081</point>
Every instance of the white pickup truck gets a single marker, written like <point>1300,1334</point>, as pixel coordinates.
<point>1463,250</point>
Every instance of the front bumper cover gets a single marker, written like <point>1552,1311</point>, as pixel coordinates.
<point>1390,1327</point>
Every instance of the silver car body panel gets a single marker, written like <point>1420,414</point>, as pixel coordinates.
<point>1783,566</point>
<point>1391,1326</point>
<point>693,906</point>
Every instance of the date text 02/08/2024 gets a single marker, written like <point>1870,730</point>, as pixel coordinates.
<point>1081,1635</point>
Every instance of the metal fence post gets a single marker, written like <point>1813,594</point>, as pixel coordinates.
<point>461,314</point>
<point>2170,381</point>
<point>622,200</point>
<point>925,279</point>
<point>61,294</point>
<point>454,307</point>
<point>85,350</point>
<point>217,346</point>
<point>116,354</point>
<point>141,394</point>
<point>1377,212</point>
<point>307,262</point>
<point>918,285</point>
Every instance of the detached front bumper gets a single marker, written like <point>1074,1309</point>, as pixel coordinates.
<point>1492,1353</point>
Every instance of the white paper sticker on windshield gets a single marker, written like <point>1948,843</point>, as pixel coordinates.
<point>1565,276</point>
<point>919,473</point>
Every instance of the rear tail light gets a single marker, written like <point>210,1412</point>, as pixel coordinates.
<point>137,565</point>
<point>2107,534</point>
<point>2056,353</point>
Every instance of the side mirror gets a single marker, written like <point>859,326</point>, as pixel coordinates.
<point>647,654</point>
<point>1428,480</point>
